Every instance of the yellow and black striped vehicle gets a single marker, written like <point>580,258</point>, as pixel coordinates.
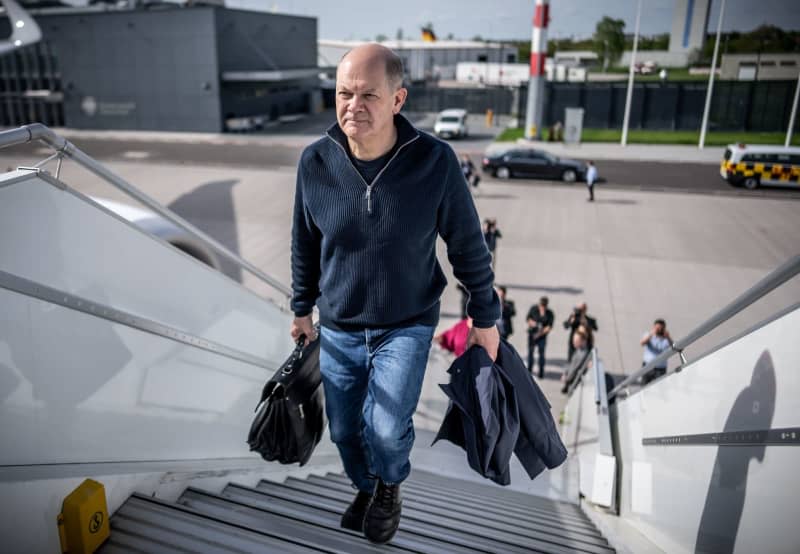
<point>756,165</point>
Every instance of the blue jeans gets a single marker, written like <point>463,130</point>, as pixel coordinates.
<point>373,379</point>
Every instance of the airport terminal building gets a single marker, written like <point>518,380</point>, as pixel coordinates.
<point>167,68</point>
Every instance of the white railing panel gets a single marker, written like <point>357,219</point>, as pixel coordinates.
<point>57,238</point>
<point>742,497</point>
<point>78,389</point>
<point>75,388</point>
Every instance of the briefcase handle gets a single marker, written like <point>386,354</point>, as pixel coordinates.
<point>297,355</point>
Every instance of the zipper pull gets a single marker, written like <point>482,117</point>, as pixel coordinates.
<point>369,199</point>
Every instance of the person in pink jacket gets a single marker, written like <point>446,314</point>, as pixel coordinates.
<point>455,338</point>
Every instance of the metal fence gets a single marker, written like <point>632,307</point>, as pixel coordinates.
<point>674,105</point>
<point>474,100</point>
<point>735,105</point>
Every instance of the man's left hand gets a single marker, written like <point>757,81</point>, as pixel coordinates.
<point>488,338</point>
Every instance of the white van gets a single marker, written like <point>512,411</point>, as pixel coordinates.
<point>451,124</point>
<point>754,165</point>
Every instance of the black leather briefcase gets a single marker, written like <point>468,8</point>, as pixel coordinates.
<point>290,417</point>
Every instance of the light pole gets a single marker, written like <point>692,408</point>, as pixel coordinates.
<point>794,113</point>
<point>629,95</point>
<point>707,108</point>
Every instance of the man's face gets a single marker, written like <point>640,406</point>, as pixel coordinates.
<point>658,329</point>
<point>365,100</point>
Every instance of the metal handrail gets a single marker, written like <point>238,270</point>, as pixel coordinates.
<point>766,285</point>
<point>37,131</point>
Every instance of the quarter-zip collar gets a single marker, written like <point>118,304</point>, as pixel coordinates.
<point>406,134</point>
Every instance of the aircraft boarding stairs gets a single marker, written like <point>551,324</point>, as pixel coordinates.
<point>440,514</point>
<point>131,363</point>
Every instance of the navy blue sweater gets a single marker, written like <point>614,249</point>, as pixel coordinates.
<point>366,255</point>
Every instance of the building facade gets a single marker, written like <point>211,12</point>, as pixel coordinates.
<point>173,68</point>
<point>760,67</point>
<point>689,24</point>
<point>423,60</point>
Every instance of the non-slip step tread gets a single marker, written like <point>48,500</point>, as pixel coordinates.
<point>487,489</point>
<point>440,515</point>
<point>304,527</point>
<point>462,538</point>
<point>452,499</point>
<point>329,513</point>
<point>555,541</point>
<point>179,529</point>
<point>454,488</point>
<point>561,534</point>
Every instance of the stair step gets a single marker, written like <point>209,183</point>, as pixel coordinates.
<point>545,522</point>
<point>151,525</point>
<point>285,520</point>
<point>453,499</point>
<point>451,539</point>
<point>312,506</point>
<point>535,536</point>
<point>440,515</point>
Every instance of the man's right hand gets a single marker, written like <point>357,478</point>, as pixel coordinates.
<point>303,326</point>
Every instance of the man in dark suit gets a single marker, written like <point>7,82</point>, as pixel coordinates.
<point>508,311</point>
<point>540,323</point>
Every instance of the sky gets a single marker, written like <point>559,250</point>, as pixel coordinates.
<point>511,19</point>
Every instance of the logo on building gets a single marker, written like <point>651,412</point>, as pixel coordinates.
<point>89,105</point>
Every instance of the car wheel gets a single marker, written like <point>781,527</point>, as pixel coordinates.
<point>750,183</point>
<point>503,173</point>
<point>569,176</point>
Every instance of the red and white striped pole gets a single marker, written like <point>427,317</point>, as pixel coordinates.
<point>533,115</point>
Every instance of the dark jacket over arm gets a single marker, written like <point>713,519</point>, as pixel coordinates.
<point>537,444</point>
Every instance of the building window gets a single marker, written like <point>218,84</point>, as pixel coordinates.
<point>788,63</point>
<point>768,64</point>
<point>510,58</point>
<point>482,58</point>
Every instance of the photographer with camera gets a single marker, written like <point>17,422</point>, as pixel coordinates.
<point>578,317</point>
<point>655,342</point>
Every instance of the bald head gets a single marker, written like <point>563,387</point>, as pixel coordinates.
<point>370,55</point>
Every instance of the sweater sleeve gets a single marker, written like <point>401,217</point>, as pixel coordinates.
<point>460,227</point>
<point>306,239</point>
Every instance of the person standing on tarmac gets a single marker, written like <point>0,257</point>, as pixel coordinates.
<point>591,178</point>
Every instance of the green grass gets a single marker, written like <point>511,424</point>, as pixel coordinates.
<point>640,136</point>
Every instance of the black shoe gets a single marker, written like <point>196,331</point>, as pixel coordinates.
<point>353,517</point>
<point>383,514</point>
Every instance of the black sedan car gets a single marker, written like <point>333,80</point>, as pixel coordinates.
<point>525,162</point>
